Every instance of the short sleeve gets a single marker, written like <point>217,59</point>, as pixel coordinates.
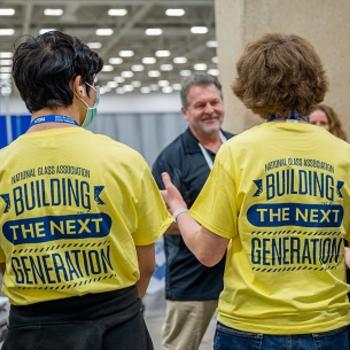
<point>159,166</point>
<point>153,218</point>
<point>162,165</point>
<point>216,206</point>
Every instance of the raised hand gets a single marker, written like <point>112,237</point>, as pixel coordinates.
<point>171,194</point>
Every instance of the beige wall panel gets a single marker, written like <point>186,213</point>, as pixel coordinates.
<point>325,23</point>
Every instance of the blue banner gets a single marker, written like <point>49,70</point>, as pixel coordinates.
<point>18,125</point>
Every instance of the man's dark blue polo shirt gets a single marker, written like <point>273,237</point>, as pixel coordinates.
<point>186,278</point>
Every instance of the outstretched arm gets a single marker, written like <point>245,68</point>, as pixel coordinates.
<point>206,246</point>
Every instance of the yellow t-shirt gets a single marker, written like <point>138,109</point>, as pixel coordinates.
<point>280,192</point>
<point>73,206</point>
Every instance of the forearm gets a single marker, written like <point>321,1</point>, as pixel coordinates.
<point>147,264</point>
<point>208,248</point>
<point>347,257</point>
<point>143,283</point>
<point>190,232</point>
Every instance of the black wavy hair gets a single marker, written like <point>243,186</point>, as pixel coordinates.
<point>44,65</point>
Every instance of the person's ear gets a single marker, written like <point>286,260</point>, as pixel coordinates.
<point>184,113</point>
<point>78,86</point>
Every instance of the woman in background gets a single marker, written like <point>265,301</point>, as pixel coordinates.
<point>325,116</point>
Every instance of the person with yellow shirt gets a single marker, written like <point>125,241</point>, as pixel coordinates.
<point>79,212</point>
<point>278,200</point>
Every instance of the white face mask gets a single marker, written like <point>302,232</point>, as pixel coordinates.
<point>91,110</point>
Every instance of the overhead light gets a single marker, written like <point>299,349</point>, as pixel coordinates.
<point>46,30</point>
<point>199,30</point>
<point>154,73</point>
<point>5,75</point>
<point>5,62</point>
<point>185,73</point>
<point>153,31</point>
<point>7,12</point>
<point>120,90</point>
<point>167,89</point>
<point>215,60</point>
<point>137,67</point>
<point>180,60</point>
<point>6,54</point>
<point>145,90</point>
<point>154,87</point>
<point>127,74</point>
<point>112,84</point>
<point>163,53</point>
<point>117,12</point>
<point>166,67</point>
<point>200,66</point>
<point>126,53</point>
<point>7,31</point>
<point>6,90</point>
<point>128,88</point>
<point>177,87</point>
<point>136,83</point>
<point>163,83</point>
<point>53,12</point>
<point>104,89</point>
<point>5,69</point>
<point>174,12</point>
<point>213,71</point>
<point>212,43</point>
<point>94,45</point>
<point>119,79</point>
<point>104,31</point>
<point>115,60</point>
<point>107,68</point>
<point>149,60</point>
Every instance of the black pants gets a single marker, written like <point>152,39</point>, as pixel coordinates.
<point>106,321</point>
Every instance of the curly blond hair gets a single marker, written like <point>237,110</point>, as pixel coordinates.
<point>278,74</point>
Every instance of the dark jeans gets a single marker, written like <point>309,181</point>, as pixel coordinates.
<point>105,321</point>
<point>231,339</point>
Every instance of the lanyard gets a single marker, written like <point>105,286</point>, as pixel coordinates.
<point>53,118</point>
<point>206,154</point>
<point>293,117</point>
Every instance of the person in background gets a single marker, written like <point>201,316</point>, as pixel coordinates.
<point>278,199</point>
<point>192,289</point>
<point>78,231</point>
<point>325,116</point>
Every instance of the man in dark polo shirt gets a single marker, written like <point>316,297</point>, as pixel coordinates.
<point>192,290</point>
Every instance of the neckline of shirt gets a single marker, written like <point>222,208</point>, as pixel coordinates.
<point>63,130</point>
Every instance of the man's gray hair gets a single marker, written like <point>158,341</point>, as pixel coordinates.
<point>197,80</point>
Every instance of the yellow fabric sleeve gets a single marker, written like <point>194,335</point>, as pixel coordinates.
<point>216,206</point>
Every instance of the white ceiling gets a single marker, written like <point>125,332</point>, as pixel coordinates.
<point>83,17</point>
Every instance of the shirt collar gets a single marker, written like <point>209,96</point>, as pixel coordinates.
<point>190,142</point>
